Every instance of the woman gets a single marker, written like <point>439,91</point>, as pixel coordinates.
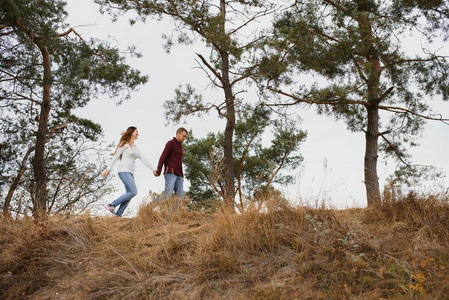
<point>127,152</point>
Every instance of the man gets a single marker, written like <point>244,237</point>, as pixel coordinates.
<point>171,160</point>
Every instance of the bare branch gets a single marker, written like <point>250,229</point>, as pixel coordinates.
<point>23,97</point>
<point>272,175</point>
<point>246,74</point>
<point>415,60</point>
<point>324,35</point>
<point>395,151</point>
<point>70,31</point>
<point>385,94</point>
<point>211,79</point>
<point>239,173</point>
<point>256,16</point>
<point>210,68</point>
<point>336,5</point>
<point>395,109</point>
<point>55,130</point>
<point>359,71</point>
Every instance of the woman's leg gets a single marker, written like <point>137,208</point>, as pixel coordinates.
<point>131,191</point>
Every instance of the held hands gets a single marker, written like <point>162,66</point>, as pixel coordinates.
<point>106,173</point>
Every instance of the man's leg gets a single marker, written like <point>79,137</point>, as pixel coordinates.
<point>170,180</point>
<point>178,189</point>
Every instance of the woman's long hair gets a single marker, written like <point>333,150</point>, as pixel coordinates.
<point>124,139</point>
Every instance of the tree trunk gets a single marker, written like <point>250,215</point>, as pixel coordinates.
<point>15,184</point>
<point>230,116</point>
<point>40,174</point>
<point>229,155</point>
<point>371,154</point>
<point>373,72</point>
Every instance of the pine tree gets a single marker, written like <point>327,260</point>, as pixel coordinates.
<point>356,50</point>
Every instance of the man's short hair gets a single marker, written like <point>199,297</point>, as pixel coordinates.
<point>180,130</point>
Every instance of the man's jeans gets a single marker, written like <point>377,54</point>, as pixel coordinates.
<point>131,191</point>
<point>173,184</point>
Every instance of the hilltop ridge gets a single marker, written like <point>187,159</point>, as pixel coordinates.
<point>397,251</point>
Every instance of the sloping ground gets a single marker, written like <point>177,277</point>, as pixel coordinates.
<point>399,251</point>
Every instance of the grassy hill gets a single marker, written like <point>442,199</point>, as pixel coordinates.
<point>397,251</point>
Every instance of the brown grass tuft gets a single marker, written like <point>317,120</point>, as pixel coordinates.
<point>396,251</point>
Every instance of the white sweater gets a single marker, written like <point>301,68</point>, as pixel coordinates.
<point>128,161</point>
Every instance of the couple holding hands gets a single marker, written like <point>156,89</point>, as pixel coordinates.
<point>170,162</point>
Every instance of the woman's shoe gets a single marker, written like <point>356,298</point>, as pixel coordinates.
<point>110,208</point>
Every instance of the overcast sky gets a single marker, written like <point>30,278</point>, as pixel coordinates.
<point>333,166</point>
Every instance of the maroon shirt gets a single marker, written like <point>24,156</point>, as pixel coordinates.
<point>171,158</point>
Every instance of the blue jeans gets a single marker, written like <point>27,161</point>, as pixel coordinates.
<point>131,191</point>
<point>173,184</point>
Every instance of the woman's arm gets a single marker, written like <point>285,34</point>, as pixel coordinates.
<point>114,159</point>
<point>145,160</point>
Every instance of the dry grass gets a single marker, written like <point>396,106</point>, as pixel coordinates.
<point>397,251</point>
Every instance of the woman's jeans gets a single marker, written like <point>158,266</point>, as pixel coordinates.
<point>131,191</point>
<point>173,184</point>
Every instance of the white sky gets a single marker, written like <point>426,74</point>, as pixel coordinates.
<point>333,167</point>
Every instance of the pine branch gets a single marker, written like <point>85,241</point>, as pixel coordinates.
<point>308,101</point>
